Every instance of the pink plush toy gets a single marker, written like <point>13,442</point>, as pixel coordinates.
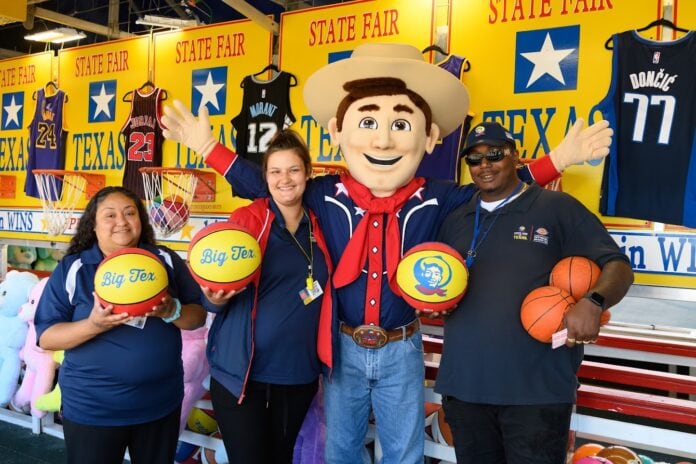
<point>40,367</point>
<point>195,369</point>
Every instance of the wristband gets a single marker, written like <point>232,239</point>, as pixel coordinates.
<point>177,312</point>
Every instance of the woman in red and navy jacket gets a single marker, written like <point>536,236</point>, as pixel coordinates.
<point>262,343</point>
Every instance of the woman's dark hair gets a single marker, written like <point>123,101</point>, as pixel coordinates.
<point>287,139</point>
<point>85,236</point>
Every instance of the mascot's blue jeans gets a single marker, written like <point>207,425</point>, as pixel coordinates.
<point>388,380</point>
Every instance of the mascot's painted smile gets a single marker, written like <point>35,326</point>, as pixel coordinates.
<point>382,162</point>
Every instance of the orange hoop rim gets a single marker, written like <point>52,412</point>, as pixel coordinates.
<point>161,169</point>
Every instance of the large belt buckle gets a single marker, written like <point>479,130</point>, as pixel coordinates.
<point>370,336</point>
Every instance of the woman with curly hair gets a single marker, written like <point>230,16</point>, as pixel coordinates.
<point>122,376</point>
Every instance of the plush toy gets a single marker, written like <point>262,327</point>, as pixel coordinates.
<point>196,369</point>
<point>21,257</point>
<point>50,402</point>
<point>309,445</point>
<point>48,259</point>
<point>14,292</point>
<point>40,370</point>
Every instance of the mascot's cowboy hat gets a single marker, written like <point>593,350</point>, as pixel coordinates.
<point>446,95</point>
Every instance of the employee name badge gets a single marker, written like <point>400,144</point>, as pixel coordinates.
<point>138,322</point>
<point>311,292</point>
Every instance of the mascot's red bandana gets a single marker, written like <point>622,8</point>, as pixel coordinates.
<point>368,235</point>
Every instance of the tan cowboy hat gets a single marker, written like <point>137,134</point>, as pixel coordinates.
<point>446,95</point>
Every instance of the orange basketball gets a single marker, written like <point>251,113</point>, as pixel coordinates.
<point>432,277</point>
<point>543,310</point>
<point>605,317</point>
<point>575,274</point>
<point>443,433</point>
<point>619,455</point>
<point>133,280</point>
<point>588,449</point>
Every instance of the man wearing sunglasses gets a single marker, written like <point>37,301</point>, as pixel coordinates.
<point>508,397</point>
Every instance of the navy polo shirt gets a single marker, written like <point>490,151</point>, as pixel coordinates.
<point>285,334</point>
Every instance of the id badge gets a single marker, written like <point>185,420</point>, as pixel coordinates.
<point>307,295</point>
<point>137,322</point>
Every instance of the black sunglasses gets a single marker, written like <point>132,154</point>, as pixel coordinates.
<point>492,156</point>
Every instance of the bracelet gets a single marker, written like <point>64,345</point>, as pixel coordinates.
<point>177,312</point>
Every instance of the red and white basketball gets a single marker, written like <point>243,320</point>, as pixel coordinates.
<point>575,274</point>
<point>133,280</point>
<point>432,277</point>
<point>224,256</point>
<point>543,310</point>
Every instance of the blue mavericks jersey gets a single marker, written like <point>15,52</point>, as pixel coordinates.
<point>443,162</point>
<point>650,172</point>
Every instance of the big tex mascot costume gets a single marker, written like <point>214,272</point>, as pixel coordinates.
<point>386,108</point>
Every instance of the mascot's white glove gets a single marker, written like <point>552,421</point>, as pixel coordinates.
<point>582,144</point>
<point>183,127</point>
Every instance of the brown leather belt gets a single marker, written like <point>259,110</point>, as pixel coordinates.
<point>374,336</point>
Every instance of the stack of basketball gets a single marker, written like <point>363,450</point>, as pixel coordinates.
<point>544,308</point>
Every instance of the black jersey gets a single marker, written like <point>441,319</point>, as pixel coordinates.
<point>143,134</point>
<point>265,111</point>
<point>650,172</point>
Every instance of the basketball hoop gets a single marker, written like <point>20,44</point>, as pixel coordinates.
<point>554,185</point>
<point>59,191</point>
<point>319,169</point>
<point>168,196</point>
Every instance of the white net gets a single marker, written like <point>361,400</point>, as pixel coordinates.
<point>59,192</point>
<point>168,196</point>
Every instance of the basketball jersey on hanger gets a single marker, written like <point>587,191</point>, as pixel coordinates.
<point>265,111</point>
<point>143,138</point>
<point>443,162</point>
<point>46,138</point>
<point>650,172</point>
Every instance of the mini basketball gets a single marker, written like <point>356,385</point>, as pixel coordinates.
<point>543,310</point>
<point>432,277</point>
<point>441,429</point>
<point>216,455</point>
<point>605,317</point>
<point>588,449</point>
<point>224,256</point>
<point>202,421</point>
<point>169,214</point>
<point>575,274</point>
<point>593,460</point>
<point>619,455</point>
<point>133,280</point>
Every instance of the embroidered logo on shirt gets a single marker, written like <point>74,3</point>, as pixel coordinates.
<point>521,233</point>
<point>541,235</point>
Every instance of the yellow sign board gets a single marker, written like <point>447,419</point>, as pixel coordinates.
<point>15,9</point>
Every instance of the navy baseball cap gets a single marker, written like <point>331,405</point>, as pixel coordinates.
<point>489,133</point>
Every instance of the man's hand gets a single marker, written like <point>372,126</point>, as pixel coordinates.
<point>183,127</point>
<point>582,322</point>
<point>582,144</point>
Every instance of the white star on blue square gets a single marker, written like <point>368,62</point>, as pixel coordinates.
<point>12,111</point>
<point>209,87</point>
<point>547,59</point>
<point>102,101</point>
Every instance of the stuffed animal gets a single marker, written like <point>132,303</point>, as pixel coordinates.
<point>50,402</point>
<point>14,292</point>
<point>196,369</point>
<point>48,259</point>
<point>21,257</point>
<point>40,368</point>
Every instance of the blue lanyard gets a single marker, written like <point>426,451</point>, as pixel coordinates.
<point>475,243</point>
